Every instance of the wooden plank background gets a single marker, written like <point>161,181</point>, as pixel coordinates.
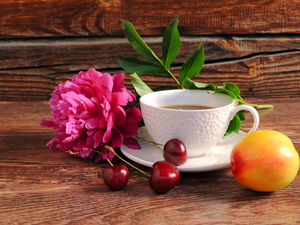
<point>253,43</point>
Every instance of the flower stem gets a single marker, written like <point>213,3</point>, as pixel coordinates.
<point>171,74</point>
<point>256,105</point>
<point>113,151</point>
<point>75,153</point>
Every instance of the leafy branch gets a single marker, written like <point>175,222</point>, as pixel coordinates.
<point>170,48</point>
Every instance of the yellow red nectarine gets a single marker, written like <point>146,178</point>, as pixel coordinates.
<point>264,161</point>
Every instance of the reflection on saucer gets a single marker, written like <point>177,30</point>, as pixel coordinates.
<point>150,153</point>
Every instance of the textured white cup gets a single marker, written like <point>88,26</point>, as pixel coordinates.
<point>199,130</point>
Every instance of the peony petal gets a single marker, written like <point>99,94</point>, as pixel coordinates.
<point>85,115</point>
<point>110,121</point>
<point>98,138</point>
<point>67,146</point>
<point>83,82</point>
<point>133,115</point>
<point>106,136</point>
<point>56,140</point>
<point>106,108</point>
<point>95,100</point>
<point>90,141</point>
<point>99,157</point>
<point>63,105</point>
<point>118,81</point>
<point>110,124</point>
<point>80,125</point>
<point>102,123</point>
<point>88,92</point>
<point>128,129</point>
<point>88,104</point>
<point>86,78</point>
<point>47,123</point>
<point>81,145</point>
<point>91,132</point>
<point>99,111</point>
<point>68,139</point>
<point>85,155</point>
<point>105,84</point>
<point>98,93</point>
<point>116,139</point>
<point>69,127</point>
<point>92,155</point>
<point>92,123</point>
<point>72,86</point>
<point>131,143</point>
<point>70,95</point>
<point>75,78</point>
<point>94,74</point>
<point>120,115</point>
<point>103,151</point>
<point>111,156</point>
<point>133,98</point>
<point>120,98</point>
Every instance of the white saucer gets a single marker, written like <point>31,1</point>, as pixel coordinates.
<point>150,153</point>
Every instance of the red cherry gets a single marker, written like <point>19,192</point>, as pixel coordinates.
<point>116,177</point>
<point>175,152</point>
<point>164,176</point>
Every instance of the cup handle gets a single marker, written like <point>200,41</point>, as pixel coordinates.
<point>255,115</point>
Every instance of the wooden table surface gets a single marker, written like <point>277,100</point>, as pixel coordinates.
<point>43,186</point>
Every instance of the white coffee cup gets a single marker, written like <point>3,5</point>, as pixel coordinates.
<point>200,130</point>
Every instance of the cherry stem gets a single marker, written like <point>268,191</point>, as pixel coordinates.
<point>148,140</point>
<point>113,151</point>
<point>75,153</point>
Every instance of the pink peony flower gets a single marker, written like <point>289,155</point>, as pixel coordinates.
<point>88,114</point>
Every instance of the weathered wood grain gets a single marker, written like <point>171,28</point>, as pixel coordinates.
<point>42,186</point>
<point>261,66</point>
<point>55,18</point>
<point>62,54</point>
<point>261,76</point>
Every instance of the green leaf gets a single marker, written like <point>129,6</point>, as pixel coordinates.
<point>196,85</point>
<point>234,125</point>
<point>171,43</point>
<point>140,87</point>
<point>138,44</point>
<point>135,65</point>
<point>193,66</point>
<point>164,88</point>
<point>239,98</point>
<point>225,91</point>
<point>241,115</point>
<point>233,88</point>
